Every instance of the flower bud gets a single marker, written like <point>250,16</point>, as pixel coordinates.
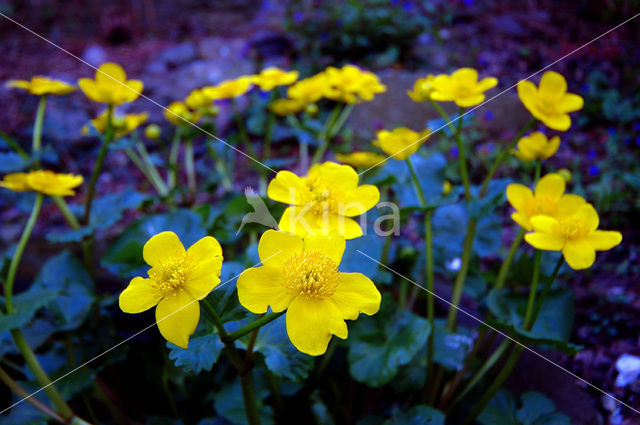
<point>152,131</point>
<point>565,174</point>
<point>311,109</point>
<point>446,187</point>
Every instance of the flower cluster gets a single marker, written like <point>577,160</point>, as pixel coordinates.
<point>42,181</point>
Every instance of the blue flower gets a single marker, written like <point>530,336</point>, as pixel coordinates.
<point>594,170</point>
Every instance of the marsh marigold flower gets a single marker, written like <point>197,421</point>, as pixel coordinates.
<point>323,201</point>
<point>41,86</point>
<point>462,87</point>
<point>351,84</point>
<point>152,131</point>
<point>309,90</point>
<point>301,275</point>
<point>111,86</point>
<point>272,77</point>
<point>178,279</point>
<point>43,181</point>
<point>177,112</point>
<point>284,107</point>
<point>536,146</point>
<point>422,89</point>
<point>548,199</point>
<point>576,235</point>
<point>229,89</point>
<point>550,103</point>
<point>197,100</point>
<point>121,125</point>
<point>361,159</point>
<point>400,143</point>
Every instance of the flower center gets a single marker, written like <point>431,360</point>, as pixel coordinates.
<point>463,91</point>
<point>572,228</point>
<point>310,274</point>
<point>324,196</point>
<point>171,275</point>
<point>547,106</point>
<point>541,205</point>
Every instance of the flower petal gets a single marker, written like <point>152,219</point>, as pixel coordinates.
<point>356,294</point>
<point>569,204</point>
<point>551,185</point>
<point>570,102</point>
<point>162,247</point>
<point>545,241</point>
<point>288,188</point>
<point>299,220</point>
<point>603,240</point>
<point>579,254</point>
<point>588,215</point>
<point>261,287</point>
<point>341,176</point>
<point>361,200</point>
<point>311,322</point>
<point>522,220</point>
<point>528,93</point>
<point>553,85</point>
<point>337,224</point>
<point>544,223</point>
<point>560,122</point>
<point>177,317</point>
<point>108,72</point>
<point>139,296</point>
<point>487,83</point>
<point>276,246</point>
<point>205,257</point>
<point>466,102</point>
<point>332,246</point>
<point>519,196</point>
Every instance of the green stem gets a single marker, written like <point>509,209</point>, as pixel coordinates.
<point>243,133</point>
<point>268,134</point>
<point>462,157</point>
<point>546,288</point>
<point>37,129</point>
<point>14,145</point>
<point>249,395</point>
<point>444,115</point>
<point>41,377</point>
<point>172,177</point>
<point>15,260</point>
<point>221,168</point>
<point>24,394</point>
<point>156,179</point>
<point>506,264</point>
<point>190,167</point>
<point>324,136</point>
<point>416,183</point>
<point>504,155</point>
<point>533,290</point>
<point>66,212</point>
<point>342,119</point>
<point>256,324</point>
<point>538,170</point>
<point>133,156</point>
<point>458,285</point>
<point>108,136</point>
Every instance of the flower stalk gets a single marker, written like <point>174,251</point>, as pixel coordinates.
<point>37,129</point>
<point>108,137</point>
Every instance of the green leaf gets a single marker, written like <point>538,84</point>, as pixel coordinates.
<point>26,305</point>
<point>536,409</point>
<point>430,171</point>
<point>124,257</point>
<point>417,415</point>
<point>203,351</point>
<point>11,162</point>
<point>224,297</point>
<point>552,327</point>
<point>228,401</point>
<point>66,275</point>
<point>280,356</point>
<point>381,343</point>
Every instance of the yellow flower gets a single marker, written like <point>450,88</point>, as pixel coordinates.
<point>361,159</point>
<point>121,125</point>
<point>42,86</point>
<point>536,146</point>
<point>198,99</point>
<point>177,112</point>
<point>422,89</point>
<point>301,276</point>
<point>446,187</point>
<point>43,181</point>
<point>401,142</point>
<point>229,89</point>
<point>285,107</point>
<point>462,87</point>
<point>152,131</point>
<point>350,84</point>
<point>549,199</point>
<point>309,90</point>
<point>111,86</point>
<point>177,280</point>
<point>323,201</point>
<point>575,235</point>
<point>550,103</point>
<point>272,77</point>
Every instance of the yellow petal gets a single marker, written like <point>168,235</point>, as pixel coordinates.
<point>139,296</point>
<point>341,176</point>
<point>528,93</point>
<point>569,204</point>
<point>332,246</point>
<point>552,147</point>
<point>108,72</point>
<point>551,185</point>
<point>522,220</point>
<point>89,88</point>
<point>553,85</point>
<point>465,74</point>
<point>579,254</point>
<point>603,240</point>
<point>518,196</point>
<point>356,294</point>
<point>337,224</point>
<point>311,322</point>
<point>487,83</point>
<point>261,287</point>
<point>588,216</point>
<point>205,257</point>
<point>544,223</point>
<point>466,102</point>
<point>288,188</point>
<point>162,247</point>
<point>361,200</point>
<point>560,122</point>
<point>135,88</point>
<point>276,246</point>
<point>546,241</point>
<point>177,317</point>
<point>570,102</point>
<point>298,220</point>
